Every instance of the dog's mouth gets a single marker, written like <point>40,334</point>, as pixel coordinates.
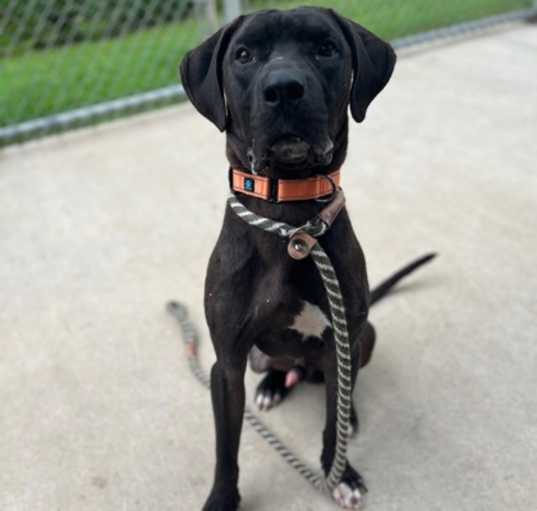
<point>289,150</point>
<point>293,151</point>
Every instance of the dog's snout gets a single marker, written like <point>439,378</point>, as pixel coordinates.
<point>282,86</point>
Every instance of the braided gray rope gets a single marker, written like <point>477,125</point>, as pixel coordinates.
<point>343,354</point>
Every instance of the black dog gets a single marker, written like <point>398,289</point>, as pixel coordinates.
<point>279,84</point>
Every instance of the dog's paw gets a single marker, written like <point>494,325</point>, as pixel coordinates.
<point>350,492</point>
<point>348,497</point>
<point>222,501</point>
<point>271,390</point>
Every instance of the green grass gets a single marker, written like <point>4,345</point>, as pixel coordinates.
<point>397,18</point>
<point>46,82</point>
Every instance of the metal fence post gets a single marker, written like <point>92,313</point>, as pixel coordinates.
<point>206,13</point>
<point>212,15</point>
<point>232,9</point>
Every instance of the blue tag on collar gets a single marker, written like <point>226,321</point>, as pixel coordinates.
<point>249,184</point>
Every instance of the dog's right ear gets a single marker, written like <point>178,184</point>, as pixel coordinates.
<point>201,74</point>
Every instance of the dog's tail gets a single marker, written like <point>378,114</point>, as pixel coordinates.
<point>384,287</point>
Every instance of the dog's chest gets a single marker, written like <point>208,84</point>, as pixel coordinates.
<point>299,337</point>
<point>310,321</point>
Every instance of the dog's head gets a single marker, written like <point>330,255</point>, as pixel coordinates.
<point>280,82</point>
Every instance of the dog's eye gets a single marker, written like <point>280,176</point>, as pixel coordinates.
<point>327,49</point>
<point>243,56</point>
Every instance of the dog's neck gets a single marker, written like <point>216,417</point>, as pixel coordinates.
<point>294,213</point>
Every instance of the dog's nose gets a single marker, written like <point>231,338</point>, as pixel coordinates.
<point>282,86</point>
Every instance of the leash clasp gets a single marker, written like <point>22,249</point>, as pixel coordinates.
<point>300,245</point>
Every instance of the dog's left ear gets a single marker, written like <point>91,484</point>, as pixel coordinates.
<point>201,74</point>
<point>373,63</point>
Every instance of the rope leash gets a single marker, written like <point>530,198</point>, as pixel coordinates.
<point>302,243</point>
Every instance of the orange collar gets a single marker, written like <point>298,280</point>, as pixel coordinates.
<point>284,190</point>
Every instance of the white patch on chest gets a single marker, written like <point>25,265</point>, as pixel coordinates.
<point>311,321</point>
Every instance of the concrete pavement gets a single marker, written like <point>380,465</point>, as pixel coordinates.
<point>98,228</point>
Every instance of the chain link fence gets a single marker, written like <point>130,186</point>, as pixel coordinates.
<point>67,63</point>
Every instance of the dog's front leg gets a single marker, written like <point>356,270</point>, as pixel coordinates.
<point>349,493</point>
<point>227,392</point>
